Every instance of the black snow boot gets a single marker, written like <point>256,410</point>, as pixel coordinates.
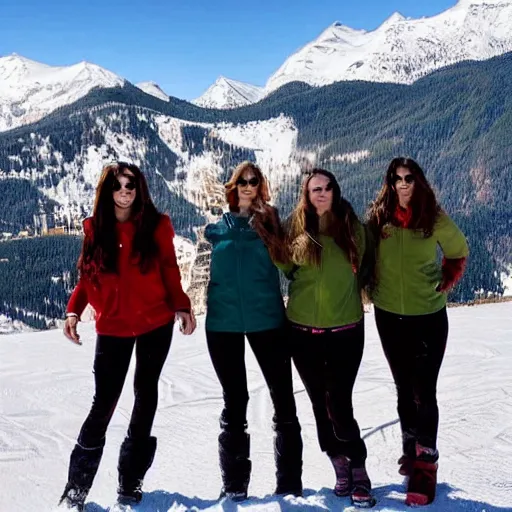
<point>235,465</point>
<point>135,458</point>
<point>288,458</point>
<point>83,465</point>
<point>74,497</point>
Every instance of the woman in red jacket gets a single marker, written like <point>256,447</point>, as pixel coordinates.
<point>129,275</point>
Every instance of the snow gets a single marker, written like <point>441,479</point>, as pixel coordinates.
<point>153,89</point>
<point>46,388</point>
<point>274,142</point>
<point>401,50</point>
<point>9,326</point>
<point>227,93</point>
<point>29,90</point>
<point>506,279</point>
<point>353,157</point>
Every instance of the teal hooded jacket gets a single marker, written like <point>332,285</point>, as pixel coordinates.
<point>244,293</point>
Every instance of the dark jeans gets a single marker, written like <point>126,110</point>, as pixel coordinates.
<point>414,347</point>
<point>227,352</point>
<point>328,364</point>
<point>111,364</point>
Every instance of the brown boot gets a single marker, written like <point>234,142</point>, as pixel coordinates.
<point>361,492</point>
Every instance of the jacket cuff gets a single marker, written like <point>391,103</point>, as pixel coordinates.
<point>452,269</point>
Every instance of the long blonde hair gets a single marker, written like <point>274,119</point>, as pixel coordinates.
<point>303,225</point>
<point>264,218</point>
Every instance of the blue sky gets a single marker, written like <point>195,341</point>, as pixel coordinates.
<point>185,45</point>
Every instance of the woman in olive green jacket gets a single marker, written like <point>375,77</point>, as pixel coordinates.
<point>244,301</point>
<point>326,243</point>
<point>409,293</point>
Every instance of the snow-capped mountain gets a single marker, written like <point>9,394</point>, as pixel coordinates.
<point>154,89</point>
<point>402,50</point>
<point>227,93</point>
<point>29,90</point>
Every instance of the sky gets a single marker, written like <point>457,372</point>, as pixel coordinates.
<point>185,45</point>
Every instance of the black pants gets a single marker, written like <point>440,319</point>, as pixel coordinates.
<point>328,364</point>
<point>111,362</point>
<point>227,352</point>
<point>414,347</point>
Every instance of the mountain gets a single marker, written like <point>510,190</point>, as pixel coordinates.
<point>29,90</point>
<point>153,89</point>
<point>402,49</point>
<point>455,122</point>
<point>227,93</point>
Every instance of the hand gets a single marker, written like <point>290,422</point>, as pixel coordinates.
<point>70,330</point>
<point>187,322</point>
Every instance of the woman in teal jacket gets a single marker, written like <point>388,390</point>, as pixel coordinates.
<point>326,242</point>
<point>409,293</point>
<point>244,300</point>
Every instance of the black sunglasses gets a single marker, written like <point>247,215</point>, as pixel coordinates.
<point>243,182</point>
<point>116,187</point>
<point>327,188</point>
<point>408,178</point>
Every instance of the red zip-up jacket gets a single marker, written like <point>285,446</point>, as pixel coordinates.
<point>129,303</point>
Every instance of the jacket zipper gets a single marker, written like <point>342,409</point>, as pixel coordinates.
<point>238,232</point>
<point>319,285</point>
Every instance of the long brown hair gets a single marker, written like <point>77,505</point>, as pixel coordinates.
<point>303,225</point>
<point>264,218</point>
<point>424,206</point>
<point>100,247</point>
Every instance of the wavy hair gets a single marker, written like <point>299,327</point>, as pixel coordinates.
<point>303,225</point>
<point>100,246</point>
<point>264,218</point>
<point>424,206</point>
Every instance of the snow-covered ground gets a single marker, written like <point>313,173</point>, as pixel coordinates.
<point>46,386</point>
<point>9,326</point>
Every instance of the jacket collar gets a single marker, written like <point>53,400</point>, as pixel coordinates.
<point>402,216</point>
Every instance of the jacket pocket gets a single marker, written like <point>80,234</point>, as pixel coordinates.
<point>432,273</point>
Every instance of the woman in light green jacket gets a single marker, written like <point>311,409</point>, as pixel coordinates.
<point>326,243</point>
<point>409,293</point>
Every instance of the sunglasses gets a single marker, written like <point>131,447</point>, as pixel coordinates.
<point>116,187</point>
<point>408,178</point>
<point>253,182</point>
<point>327,188</point>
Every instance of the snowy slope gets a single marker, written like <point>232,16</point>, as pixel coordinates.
<point>402,50</point>
<point>46,388</point>
<point>9,326</point>
<point>29,90</point>
<point>227,93</point>
<point>154,89</point>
